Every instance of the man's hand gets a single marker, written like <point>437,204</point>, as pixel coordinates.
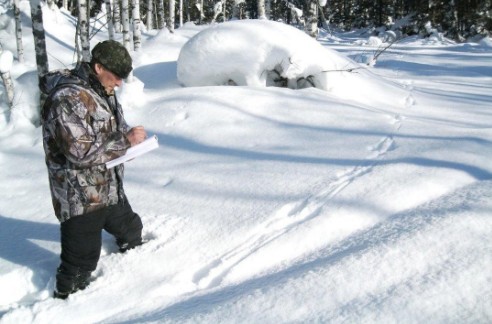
<point>136,135</point>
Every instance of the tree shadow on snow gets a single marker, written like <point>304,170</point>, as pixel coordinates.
<point>394,229</point>
<point>187,144</point>
<point>156,76</point>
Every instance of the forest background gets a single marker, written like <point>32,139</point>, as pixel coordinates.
<point>391,20</point>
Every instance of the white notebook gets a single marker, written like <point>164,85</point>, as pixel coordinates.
<point>148,145</point>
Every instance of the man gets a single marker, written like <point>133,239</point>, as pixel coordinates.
<point>83,128</point>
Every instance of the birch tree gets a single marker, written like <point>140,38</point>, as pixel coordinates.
<point>83,31</point>
<point>149,14</point>
<point>6,60</point>
<point>137,35</point>
<point>311,27</point>
<point>117,16</point>
<point>18,32</point>
<point>125,19</point>
<point>171,17</point>
<point>224,10</point>
<point>261,9</point>
<point>160,14</point>
<point>109,19</point>
<point>217,10</point>
<point>180,13</point>
<point>39,38</point>
<point>200,9</point>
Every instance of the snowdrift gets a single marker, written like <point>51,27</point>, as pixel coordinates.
<point>266,53</point>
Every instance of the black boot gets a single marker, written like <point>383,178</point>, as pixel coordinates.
<point>125,246</point>
<point>70,280</point>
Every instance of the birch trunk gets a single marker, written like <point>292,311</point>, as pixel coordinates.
<point>261,9</point>
<point>18,32</point>
<point>6,60</point>
<point>224,10</point>
<point>126,31</point>
<point>160,14</point>
<point>125,19</point>
<point>137,35</point>
<point>109,19</point>
<point>117,16</point>
<point>149,14</point>
<point>180,13</point>
<point>312,19</point>
<point>39,38</point>
<point>83,30</point>
<point>201,12</point>
<point>171,20</point>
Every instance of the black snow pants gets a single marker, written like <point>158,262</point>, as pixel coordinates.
<point>81,241</point>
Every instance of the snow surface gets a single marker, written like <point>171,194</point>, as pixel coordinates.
<point>368,202</point>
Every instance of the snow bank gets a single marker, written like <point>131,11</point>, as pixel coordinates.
<point>486,42</point>
<point>255,53</point>
<point>266,53</point>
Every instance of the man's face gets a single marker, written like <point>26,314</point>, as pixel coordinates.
<point>108,79</point>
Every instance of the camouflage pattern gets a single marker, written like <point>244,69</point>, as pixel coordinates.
<point>114,57</point>
<point>82,129</point>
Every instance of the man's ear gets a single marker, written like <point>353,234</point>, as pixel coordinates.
<point>98,68</point>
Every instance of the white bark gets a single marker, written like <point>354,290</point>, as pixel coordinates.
<point>109,19</point>
<point>6,59</point>
<point>39,43</point>
<point>160,14</point>
<point>126,31</point>
<point>200,7</point>
<point>9,87</point>
<point>137,35</point>
<point>18,32</point>
<point>224,10</point>
<point>261,9</point>
<point>217,10</point>
<point>117,16</point>
<point>180,13</point>
<point>149,14</point>
<point>39,37</point>
<point>171,20</point>
<point>83,30</point>
<point>125,19</point>
<point>311,27</point>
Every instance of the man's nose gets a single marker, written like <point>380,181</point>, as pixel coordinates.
<point>119,82</point>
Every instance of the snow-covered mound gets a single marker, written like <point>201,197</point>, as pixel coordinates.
<point>255,53</point>
<point>268,53</point>
<point>486,42</point>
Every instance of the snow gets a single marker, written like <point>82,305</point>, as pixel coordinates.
<point>223,54</point>
<point>6,61</point>
<point>367,201</point>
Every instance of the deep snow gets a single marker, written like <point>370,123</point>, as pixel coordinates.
<point>367,202</point>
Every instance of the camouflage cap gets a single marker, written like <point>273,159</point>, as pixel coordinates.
<point>114,57</point>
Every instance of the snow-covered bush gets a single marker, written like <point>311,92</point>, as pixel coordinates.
<point>266,53</point>
<point>257,53</point>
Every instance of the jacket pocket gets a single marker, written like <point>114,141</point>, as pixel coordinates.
<point>90,191</point>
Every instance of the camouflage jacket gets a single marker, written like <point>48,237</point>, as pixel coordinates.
<point>82,129</point>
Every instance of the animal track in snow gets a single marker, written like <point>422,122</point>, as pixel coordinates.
<point>284,220</point>
<point>292,215</point>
